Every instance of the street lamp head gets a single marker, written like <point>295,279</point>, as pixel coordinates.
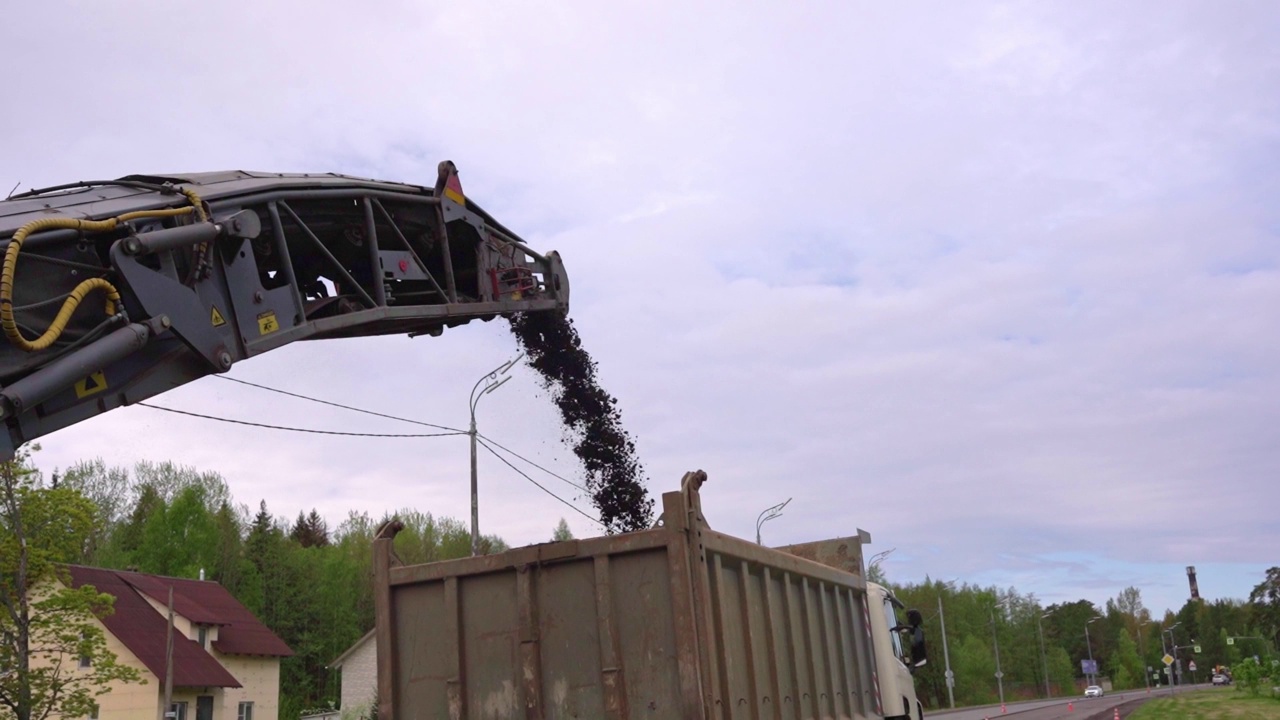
<point>490,382</point>
<point>1095,617</point>
<point>769,514</point>
<point>495,386</point>
<point>510,364</point>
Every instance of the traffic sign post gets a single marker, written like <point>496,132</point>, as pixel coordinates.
<point>1167,659</point>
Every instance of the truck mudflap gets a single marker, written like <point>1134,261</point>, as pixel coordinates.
<point>678,621</point>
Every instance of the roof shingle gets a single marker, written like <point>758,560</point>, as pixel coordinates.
<point>137,624</point>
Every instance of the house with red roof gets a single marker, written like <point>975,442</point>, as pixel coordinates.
<point>226,663</point>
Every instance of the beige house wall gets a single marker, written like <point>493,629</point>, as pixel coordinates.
<point>359,679</point>
<point>123,701</point>
<point>258,676</point>
<point>260,681</point>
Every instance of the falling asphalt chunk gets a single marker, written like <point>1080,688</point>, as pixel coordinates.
<point>592,420</point>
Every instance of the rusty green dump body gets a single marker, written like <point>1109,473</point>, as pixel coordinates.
<point>677,622</point>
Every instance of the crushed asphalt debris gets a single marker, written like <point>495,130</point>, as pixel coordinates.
<point>592,420</point>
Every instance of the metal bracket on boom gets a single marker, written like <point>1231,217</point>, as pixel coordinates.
<point>280,258</point>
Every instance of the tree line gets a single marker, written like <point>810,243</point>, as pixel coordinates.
<point>309,583</point>
<point>312,585</point>
<point>1041,647</point>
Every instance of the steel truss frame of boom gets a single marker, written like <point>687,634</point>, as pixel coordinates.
<point>254,262</point>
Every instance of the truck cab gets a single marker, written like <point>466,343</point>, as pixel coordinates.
<point>899,651</point>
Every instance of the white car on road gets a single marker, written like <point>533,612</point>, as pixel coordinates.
<point>1093,691</point>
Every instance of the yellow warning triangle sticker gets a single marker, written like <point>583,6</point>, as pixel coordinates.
<point>216,318</point>
<point>95,383</point>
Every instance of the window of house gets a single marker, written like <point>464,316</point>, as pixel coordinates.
<point>178,711</point>
<point>204,637</point>
<point>84,659</point>
<point>246,711</point>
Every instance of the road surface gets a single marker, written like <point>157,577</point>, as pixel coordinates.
<point>1057,708</point>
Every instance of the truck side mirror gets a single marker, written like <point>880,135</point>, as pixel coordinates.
<point>918,655</point>
<point>916,621</point>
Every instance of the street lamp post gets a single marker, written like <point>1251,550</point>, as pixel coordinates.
<point>996,642</point>
<point>1174,675</point>
<point>491,383</point>
<point>767,515</point>
<point>946,657</point>
<point>1146,669</point>
<point>1044,659</point>
<point>1089,644</point>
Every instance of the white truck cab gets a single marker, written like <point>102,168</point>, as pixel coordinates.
<point>899,651</point>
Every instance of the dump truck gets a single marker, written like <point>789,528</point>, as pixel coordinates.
<point>678,621</point>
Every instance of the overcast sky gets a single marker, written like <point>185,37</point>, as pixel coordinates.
<point>996,282</point>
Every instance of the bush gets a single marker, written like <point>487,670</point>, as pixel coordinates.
<point>1249,675</point>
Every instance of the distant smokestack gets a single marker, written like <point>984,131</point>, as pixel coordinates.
<point>1191,578</point>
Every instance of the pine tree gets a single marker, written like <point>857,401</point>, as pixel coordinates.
<point>562,532</point>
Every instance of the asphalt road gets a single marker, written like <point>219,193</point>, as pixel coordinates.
<point>1057,709</point>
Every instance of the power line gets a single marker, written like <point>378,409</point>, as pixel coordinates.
<point>293,429</point>
<point>518,455</point>
<point>268,388</point>
<point>540,486</point>
<point>344,407</point>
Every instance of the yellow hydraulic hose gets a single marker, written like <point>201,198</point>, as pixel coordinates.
<point>7,321</point>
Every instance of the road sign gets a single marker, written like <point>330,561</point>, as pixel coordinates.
<point>1167,659</point>
<point>1197,649</point>
<point>1088,667</point>
<point>1191,666</point>
<point>1231,641</point>
<point>949,674</point>
<point>999,675</point>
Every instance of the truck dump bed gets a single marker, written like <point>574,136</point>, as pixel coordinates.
<point>677,622</point>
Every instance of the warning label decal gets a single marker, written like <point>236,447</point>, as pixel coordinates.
<point>267,323</point>
<point>95,383</point>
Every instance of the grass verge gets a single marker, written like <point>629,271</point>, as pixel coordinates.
<point>1217,704</point>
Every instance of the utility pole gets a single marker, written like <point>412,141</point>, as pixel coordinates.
<point>168,661</point>
<point>946,657</point>
<point>491,383</point>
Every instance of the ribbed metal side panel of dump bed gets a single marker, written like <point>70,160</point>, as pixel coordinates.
<point>790,636</point>
<point>598,628</point>
<point>673,623</point>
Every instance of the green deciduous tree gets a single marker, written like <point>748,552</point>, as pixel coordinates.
<point>562,532</point>
<point>1264,605</point>
<point>1126,666</point>
<point>47,626</point>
